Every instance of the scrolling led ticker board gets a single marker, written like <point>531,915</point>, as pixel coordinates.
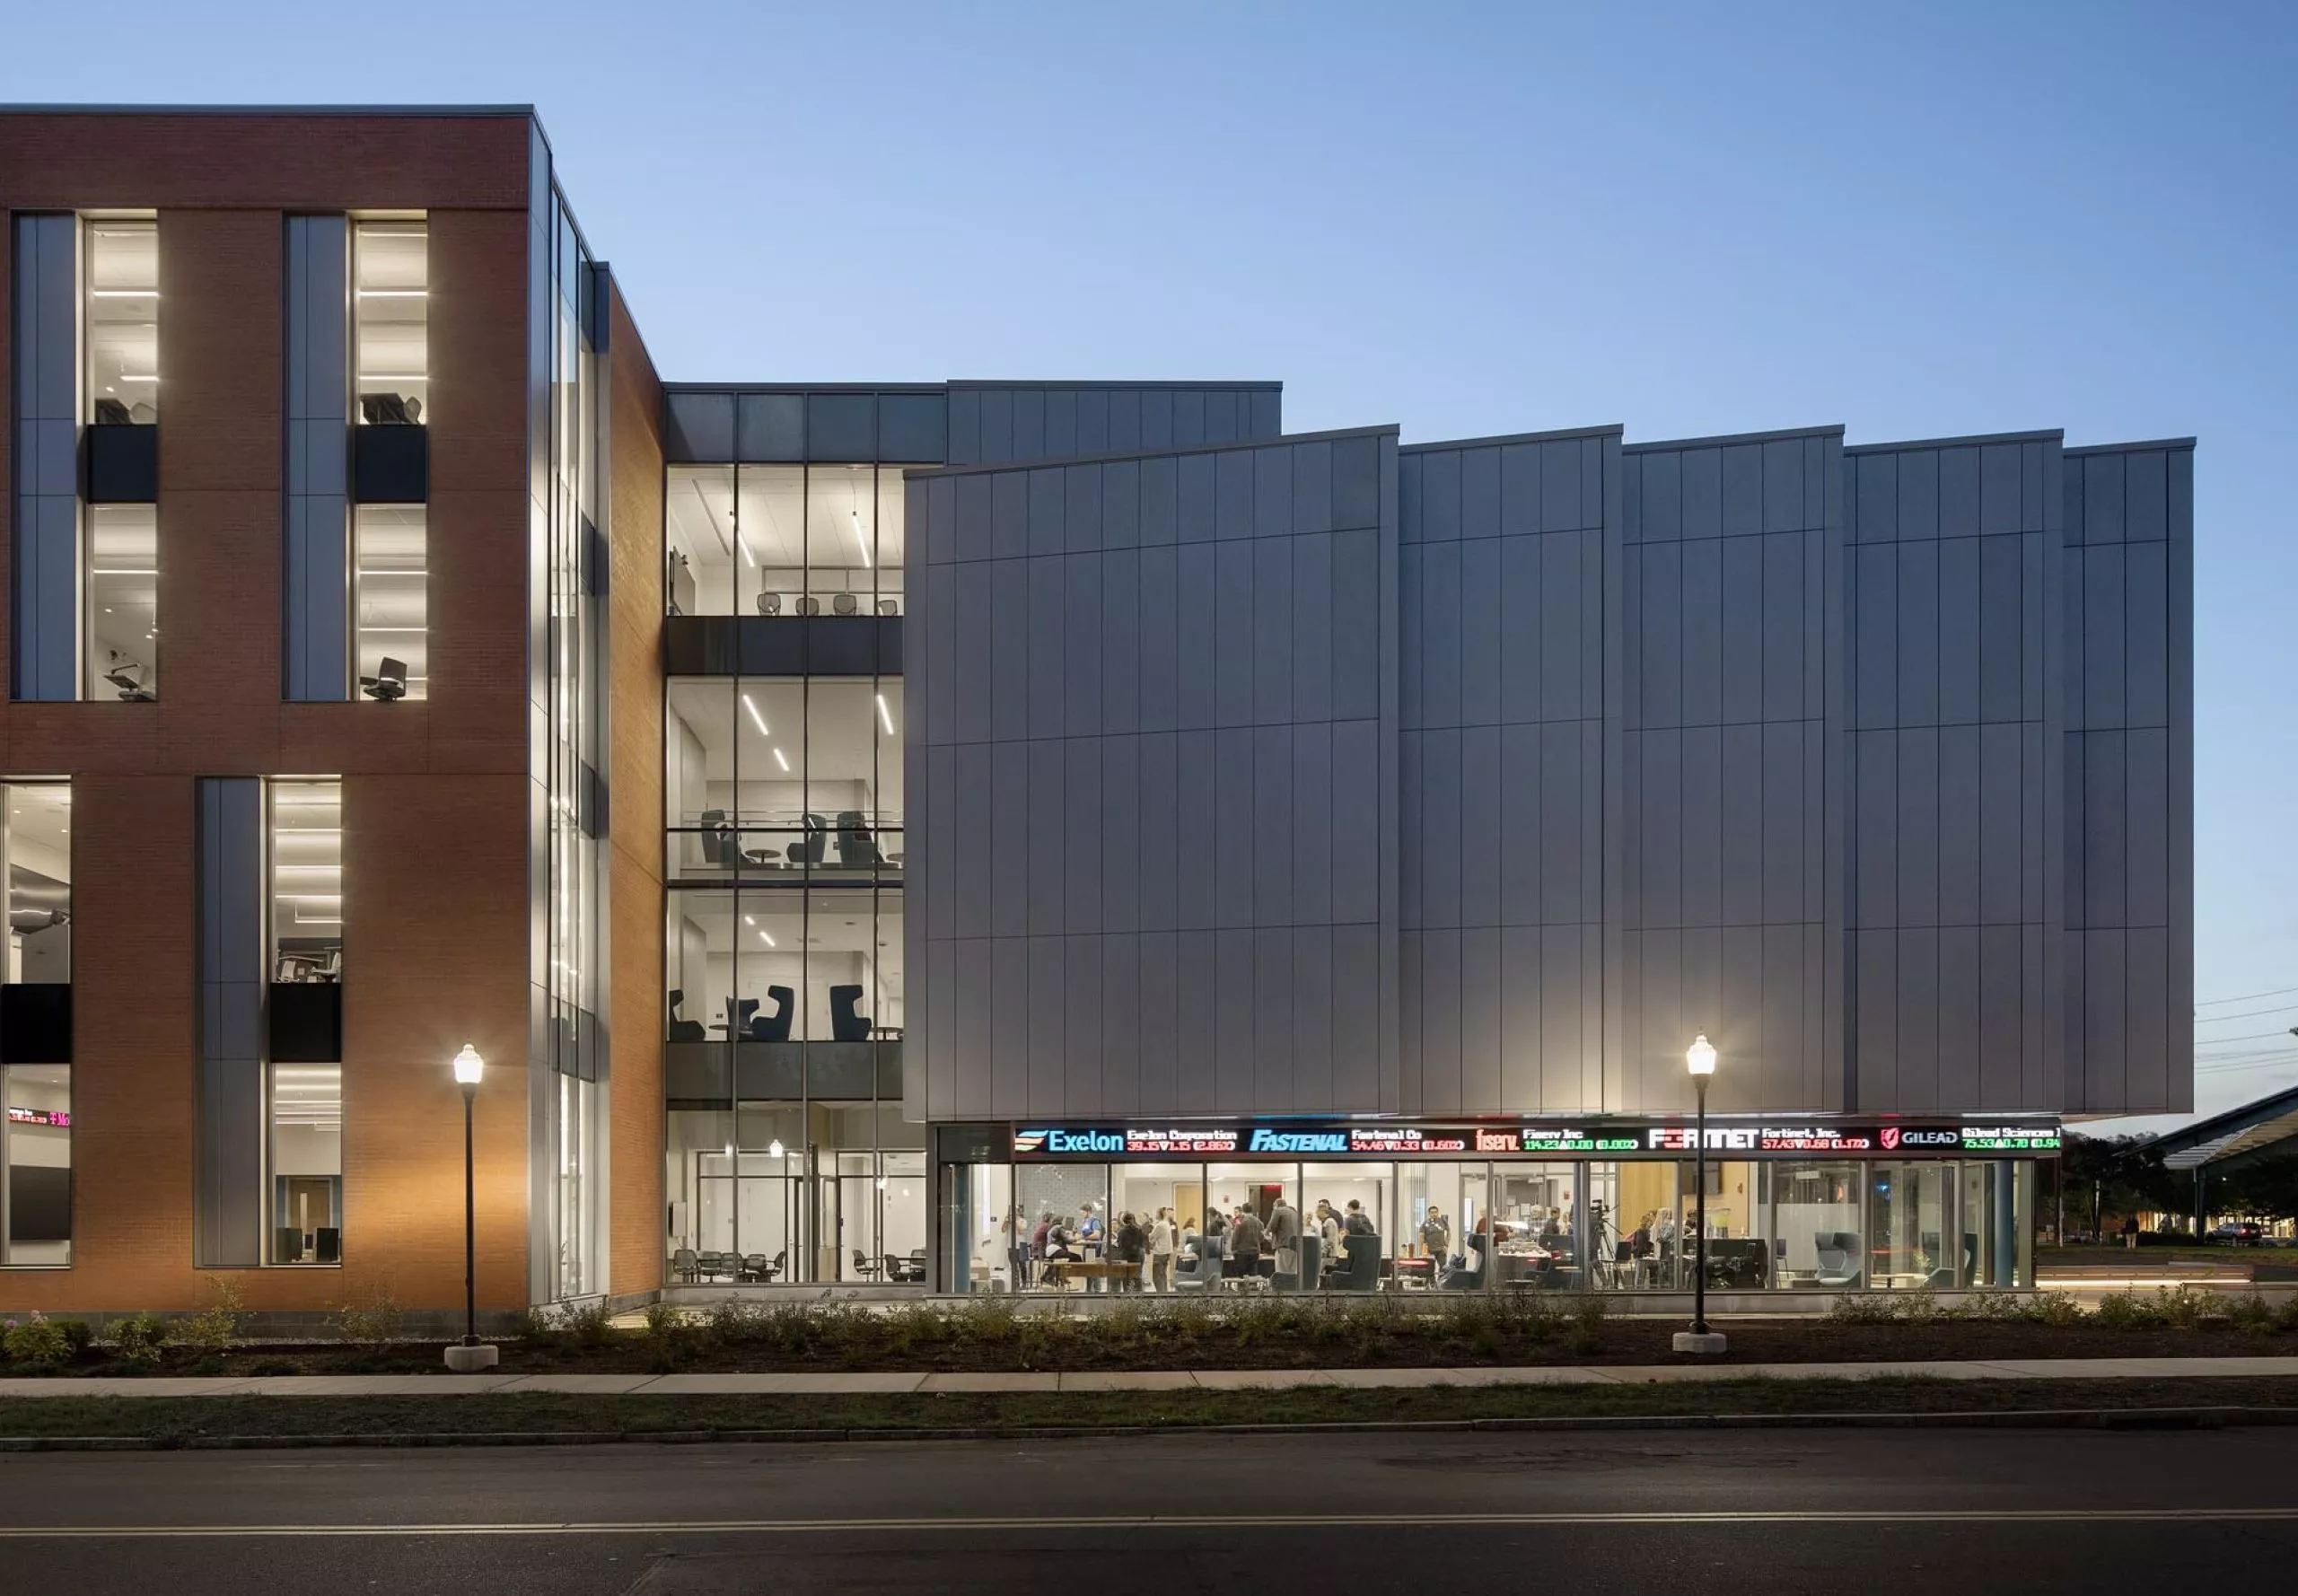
<point>1592,1138</point>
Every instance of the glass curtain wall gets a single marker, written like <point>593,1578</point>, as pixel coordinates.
<point>391,580</point>
<point>36,1097</point>
<point>779,777</point>
<point>306,881</point>
<point>36,1166</point>
<point>306,1159</point>
<point>37,833</point>
<point>567,1193</point>
<point>783,541</point>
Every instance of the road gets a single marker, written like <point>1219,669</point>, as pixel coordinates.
<point>1773,1512</point>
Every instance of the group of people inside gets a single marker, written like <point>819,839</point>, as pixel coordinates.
<point>1145,1247</point>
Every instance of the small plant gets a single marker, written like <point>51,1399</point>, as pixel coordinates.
<point>1862,1308</point>
<point>139,1339</point>
<point>1588,1310</point>
<point>586,1324</point>
<point>215,1327</point>
<point>377,1321</point>
<point>535,1328</point>
<point>663,1321</point>
<point>76,1334</point>
<point>35,1342</point>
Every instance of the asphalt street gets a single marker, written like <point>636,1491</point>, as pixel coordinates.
<point>1773,1512</point>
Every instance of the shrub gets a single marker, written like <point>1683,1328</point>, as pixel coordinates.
<point>215,1327</point>
<point>1588,1310</point>
<point>76,1334</point>
<point>139,1338</point>
<point>377,1321</point>
<point>586,1324</point>
<point>536,1328</point>
<point>2056,1308</point>
<point>36,1342</point>
<point>1858,1307</point>
<point>663,1321</point>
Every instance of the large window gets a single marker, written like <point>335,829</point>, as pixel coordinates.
<point>122,625</point>
<point>756,1196</point>
<point>390,348</point>
<point>306,1159</point>
<point>390,590</point>
<point>37,837</point>
<point>306,881</point>
<point>768,776</point>
<point>36,1166</point>
<point>123,322</point>
<point>783,541</point>
<point>777,965</point>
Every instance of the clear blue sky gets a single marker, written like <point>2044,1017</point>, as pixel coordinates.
<point>1468,220</point>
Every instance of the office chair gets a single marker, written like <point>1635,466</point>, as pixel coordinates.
<point>384,409</point>
<point>769,603</point>
<point>111,412</point>
<point>889,606</point>
<point>815,837</point>
<point>774,1027</point>
<point>388,683</point>
<point>845,1025</point>
<point>126,674</point>
<point>683,1030</point>
<point>856,850</point>
<point>844,604</point>
<point>739,1011</point>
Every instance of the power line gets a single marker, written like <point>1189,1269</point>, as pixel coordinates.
<point>2248,1035</point>
<point>2244,1014</point>
<point>2213,1003</point>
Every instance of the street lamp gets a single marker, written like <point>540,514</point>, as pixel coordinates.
<point>470,1356</point>
<point>1700,1060</point>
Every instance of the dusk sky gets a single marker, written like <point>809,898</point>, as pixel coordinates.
<point>1466,220</point>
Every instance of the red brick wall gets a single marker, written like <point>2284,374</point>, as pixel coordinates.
<point>435,793</point>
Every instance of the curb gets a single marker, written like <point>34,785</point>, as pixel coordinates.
<point>2109,1418</point>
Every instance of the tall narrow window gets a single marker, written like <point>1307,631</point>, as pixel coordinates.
<point>123,322</point>
<point>306,1156</point>
<point>306,882</point>
<point>36,1027</point>
<point>391,322</point>
<point>122,625</point>
<point>390,593</point>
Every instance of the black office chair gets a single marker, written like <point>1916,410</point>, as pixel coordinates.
<point>905,1271</point>
<point>774,1027</point>
<point>814,837</point>
<point>683,1030</point>
<point>128,676</point>
<point>387,684</point>
<point>863,1267</point>
<point>755,1269</point>
<point>739,1011</point>
<point>857,848</point>
<point>845,1025</point>
<point>111,412</point>
<point>387,409</point>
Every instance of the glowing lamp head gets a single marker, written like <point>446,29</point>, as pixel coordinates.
<point>1700,1056</point>
<point>469,1066</point>
<point>774,1149</point>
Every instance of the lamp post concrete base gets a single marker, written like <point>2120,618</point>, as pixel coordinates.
<point>470,1360</point>
<point>1701,1344</point>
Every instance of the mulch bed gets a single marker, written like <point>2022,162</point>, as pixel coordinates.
<point>1619,1341</point>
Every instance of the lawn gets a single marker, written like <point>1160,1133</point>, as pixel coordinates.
<point>209,1420</point>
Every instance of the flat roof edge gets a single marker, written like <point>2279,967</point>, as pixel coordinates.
<point>1555,436</point>
<point>1386,430</point>
<point>2132,448</point>
<point>1116,386</point>
<point>32,109</point>
<point>1779,434</point>
<point>2048,434</point>
<point>738,388</point>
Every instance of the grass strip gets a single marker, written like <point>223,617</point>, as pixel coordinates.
<point>178,1421</point>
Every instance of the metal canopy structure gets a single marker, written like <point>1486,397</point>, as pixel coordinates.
<point>2251,1133</point>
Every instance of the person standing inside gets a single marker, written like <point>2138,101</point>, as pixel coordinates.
<point>1164,1241</point>
<point>1285,1238</point>
<point>1244,1242</point>
<point>1436,1241</point>
<point>1129,1248</point>
<point>1040,1238</point>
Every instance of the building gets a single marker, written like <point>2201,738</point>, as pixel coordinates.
<point>848,818</point>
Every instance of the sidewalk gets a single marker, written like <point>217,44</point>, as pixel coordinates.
<point>843,1385</point>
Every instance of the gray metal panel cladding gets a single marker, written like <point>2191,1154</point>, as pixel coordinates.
<point>2124,750</point>
<point>45,656</point>
<point>315,651</point>
<point>1001,423</point>
<point>1182,838</point>
<point>228,1205</point>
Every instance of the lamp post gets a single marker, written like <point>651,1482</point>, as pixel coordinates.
<point>470,1356</point>
<point>1700,1060</point>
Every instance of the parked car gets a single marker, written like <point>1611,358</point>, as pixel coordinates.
<point>2237,1232</point>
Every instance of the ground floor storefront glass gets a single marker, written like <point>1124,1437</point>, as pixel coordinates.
<point>1787,1223</point>
<point>769,1193</point>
